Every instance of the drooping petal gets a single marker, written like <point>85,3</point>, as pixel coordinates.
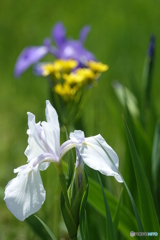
<point>29,56</point>
<point>25,194</point>
<point>59,34</point>
<point>95,157</point>
<point>83,33</point>
<point>16,170</point>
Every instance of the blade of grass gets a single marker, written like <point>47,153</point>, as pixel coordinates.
<point>156,157</point>
<point>82,214</point>
<point>156,166</point>
<point>148,212</point>
<point>140,226</point>
<point>109,224</point>
<point>117,213</point>
<point>47,229</point>
<point>37,227</point>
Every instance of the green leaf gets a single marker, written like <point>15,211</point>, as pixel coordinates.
<point>117,213</point>
<point>68,218</point>
<point>47,229</point>
<point>140,226</point>
<point>156,166</point>
<point>37,227</point>
<point>148,212</point>
<point>84,227</point>
<point>156,157</point>
<point>82,213</point>
<point>109,224</point>
<point>126,97</point>
<point>95,199</point>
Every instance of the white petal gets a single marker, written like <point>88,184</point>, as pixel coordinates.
<point>52,119</point>
<point>43,161</point>
<point>77,136</point>
<point>44,166</point>
<point>36,146</point>
<point>51,140</point>
<point>66,146</point>
<point>95,157</point>
<point>20,168</point>
<point>25,194</point>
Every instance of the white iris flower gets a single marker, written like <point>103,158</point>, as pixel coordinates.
<point>25,194</point>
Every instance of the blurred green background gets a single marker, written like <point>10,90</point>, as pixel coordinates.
<point>119,37</point>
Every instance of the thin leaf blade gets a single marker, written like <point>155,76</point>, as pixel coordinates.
<point>148,212</point>
<point>47,229</point>
<point>140,226</point>
<point>117,213</point>
<point>109,223</point>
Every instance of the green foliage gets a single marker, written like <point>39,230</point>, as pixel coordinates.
<point>119,36</point>
<point>148,212</point>
<point>47,229</point>
<point>117,213</point>
<point>83,215</point>
<point>156,166</point>
<point>110,234</point>
<point>95,199</point>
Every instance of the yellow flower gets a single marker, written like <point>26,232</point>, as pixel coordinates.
<point>73,78</point>
<point>87,74</point>
<point>66,65</point>
<point>58,67</point>
<point>51,68</point>
<point>65,91</point>
<point>97,66</point>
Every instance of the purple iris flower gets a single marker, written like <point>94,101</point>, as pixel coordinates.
<point>65,49</point>
<point>68,48</point>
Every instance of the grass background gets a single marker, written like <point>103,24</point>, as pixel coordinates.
<point>119,37</point>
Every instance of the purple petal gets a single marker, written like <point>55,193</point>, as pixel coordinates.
<point>75,50</point>
<point>59,34</point>
<point>29,56</point>
<point>84,32</point>
<point>47,42</point>
<point>37,69</point>
<point>55,51</point>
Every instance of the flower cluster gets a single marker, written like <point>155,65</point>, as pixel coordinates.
<point>74,68</point>
<point>68,79</point>
<point>25,194</point>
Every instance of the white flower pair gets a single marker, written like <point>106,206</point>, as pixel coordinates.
<point>25,194</point>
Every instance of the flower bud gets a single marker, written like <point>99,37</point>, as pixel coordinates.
<point>78,187</point>
<point>148,71</point>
